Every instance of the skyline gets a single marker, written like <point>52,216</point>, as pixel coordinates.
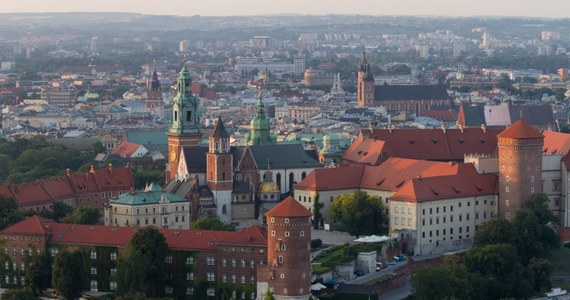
<point>524,8</point>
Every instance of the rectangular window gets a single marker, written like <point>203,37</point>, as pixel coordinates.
<point>93,271</point>
<point>211,277</point>
<point>113,285</point>
<point>113,271</point>
<point>190,276</point>
<point>93,254</point>
<point>168,259</point>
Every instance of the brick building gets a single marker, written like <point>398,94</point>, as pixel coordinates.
<point>287,274</point>
<point>94,189</point>
<point>416,98</point>
<point>202,264</point>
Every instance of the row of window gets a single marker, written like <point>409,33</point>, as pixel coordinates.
<point>15,280</point>
<point>164,209</point>
<point>287,233</point>
<point>234,278</point>
<point>14,266</point>
<point>22,251</point>
<point>234,263</point>
<point>94,271</point>
<point>444,218</point>
<point>444,231</point>
<point>444,208</point>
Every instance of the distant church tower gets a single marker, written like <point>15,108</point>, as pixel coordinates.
<point>219,169</point>
<point>365,83</point>
<point>154,104</point>
<point>260,126</point>
<point>184,129</point>
<point>287,274</point>
<point>520,166</point>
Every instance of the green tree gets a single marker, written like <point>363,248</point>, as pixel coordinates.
<point>132,266</point>
<point>317,215</point>
<point>9,212</point>
<point>540,271</point>
<point>425,279</point>
<point>69,275</point>
<point>24,293</point>
<point>359,212</point>
<point>59,211</point>
<point>150,249</point>
<point>211,223</point>
<point>268,296</point>
<point>83,215</point>
<point>38,274</point>
<point>494,231</point>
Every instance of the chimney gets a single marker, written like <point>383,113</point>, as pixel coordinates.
<point>460,128</point>
<point>442,126</point>
<point>68,172</point>
<point>91,169</point>
<point>484,128</point>
<point>110,167</point>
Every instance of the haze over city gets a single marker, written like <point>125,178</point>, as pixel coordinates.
<point>526,8</point>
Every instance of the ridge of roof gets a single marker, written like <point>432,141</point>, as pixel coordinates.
<point>289,208</point>
<point>520,130</point>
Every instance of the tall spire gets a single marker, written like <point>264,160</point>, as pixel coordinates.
<point>184,106</point>
<point>260,125</point>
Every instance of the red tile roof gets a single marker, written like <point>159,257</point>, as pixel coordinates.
<point>46,191</point>
<point>253,235</point>
<point>125,149</point>
<point>391,175</point>
<point>557,142</point>
<point>343,177</point>
<point>395,172</point>
<point>289,208</point>
<point>428,144</point>
<point>31,225</point>
<point>188,239</point>
<point>520,130</point>
<point>467,184</point>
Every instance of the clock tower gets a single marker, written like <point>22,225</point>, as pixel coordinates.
<point>184,127</point>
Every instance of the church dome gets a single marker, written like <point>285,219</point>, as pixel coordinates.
<point>268,187</point>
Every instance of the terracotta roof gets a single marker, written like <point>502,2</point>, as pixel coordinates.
<point>46,191</point>
<point>520,130</point>
<point>125,149</point>
<point>429,144</point>
<point>395,172</point>
<point>31,225</point>
<point>289,208</point>
<point>253,235</point>
<point>466,184</point>
<point>557,142</point>
<point>344,177</point>
<point>115,236</point>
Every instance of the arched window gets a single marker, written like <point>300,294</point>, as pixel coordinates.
<point>223,175</point>
<point>291,180</point>
<point>224,209</point>
<point>278,180</point>
<point>303,175</point>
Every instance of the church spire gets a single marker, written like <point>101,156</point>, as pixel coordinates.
<point>184,106</point>
<point>260,125</point>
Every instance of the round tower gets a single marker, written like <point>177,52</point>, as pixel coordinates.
<point>288,252</point>
<point>520,166</point>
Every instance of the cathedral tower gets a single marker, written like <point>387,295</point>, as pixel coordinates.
<point>365,83</point>
<point>219,169</point>
<point>260,126</point>
<point>520,166</point>
<point>184,129</point>
<point>287,274</point>
<point>154,104</point>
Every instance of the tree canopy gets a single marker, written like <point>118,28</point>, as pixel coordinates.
<point>359,212</point>
<point>210,223</point>
<point>142,266</point>
<point>504,260</point>
<point>83,215</point>
<point>69,276</point>
<point>38,274</point>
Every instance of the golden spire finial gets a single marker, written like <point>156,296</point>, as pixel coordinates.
<point>261,83</point>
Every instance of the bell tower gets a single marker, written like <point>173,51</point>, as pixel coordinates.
<point>154,104</point>
<point>184,128</point>
<point>365,83</point>
<point>219,168</point>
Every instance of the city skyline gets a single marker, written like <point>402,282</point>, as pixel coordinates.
<point>525,8</point>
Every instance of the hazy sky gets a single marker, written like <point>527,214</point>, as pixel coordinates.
<point>533,8</point>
